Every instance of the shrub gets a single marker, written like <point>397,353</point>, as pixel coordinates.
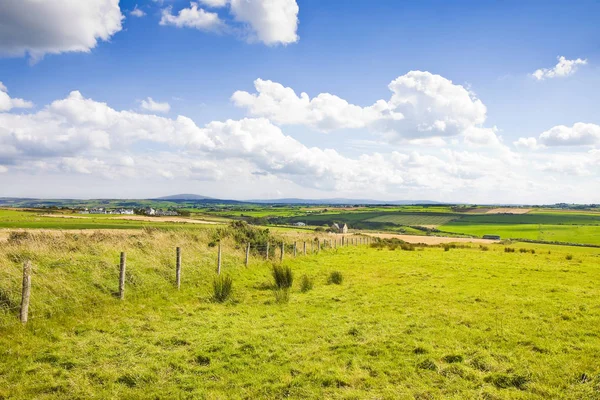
<point>522,250</point>
<point>306,284</point>
<point>283,276</point>
<point>336,278</point>
<point>281,295</point>
<point>446,247</point>
<point>427,364</point>
<point>222,287</point>
<point>569,256</point>
<point>484,248</point>
<point>509,250</point>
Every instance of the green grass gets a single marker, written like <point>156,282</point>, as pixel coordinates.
<point>411,219</point>
<point>404,324</point>
<point>583,234</point>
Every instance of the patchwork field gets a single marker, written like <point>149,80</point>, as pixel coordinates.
<point>427,323</point>
<point>414,219</point>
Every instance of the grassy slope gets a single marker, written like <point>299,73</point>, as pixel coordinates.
<point>509,315</point>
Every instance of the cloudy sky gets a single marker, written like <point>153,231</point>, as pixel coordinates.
<point>483,102</point>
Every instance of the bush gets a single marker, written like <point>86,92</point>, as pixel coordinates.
<point>283,276</point>
<point>306,284</point>
<point>505,381</point>
<point>509,250</point>
<point>569,256</point>
<point>336,278</point>
<point>222,287</point>
<point>484,248</point>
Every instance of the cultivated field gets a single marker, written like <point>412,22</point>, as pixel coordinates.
<point>472,322</point>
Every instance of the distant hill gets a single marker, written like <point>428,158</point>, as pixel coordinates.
<point>184,197</point>
<point>341,201</point>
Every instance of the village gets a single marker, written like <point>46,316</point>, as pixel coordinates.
<point>149,211</point>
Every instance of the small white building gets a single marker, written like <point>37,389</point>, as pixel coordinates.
<point>336,228</point>
<point>150,211</point>
<point>299,224</point>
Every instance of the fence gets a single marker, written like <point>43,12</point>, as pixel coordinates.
<point>270,251</point>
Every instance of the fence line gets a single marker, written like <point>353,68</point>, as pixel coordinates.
<point>260,250</point>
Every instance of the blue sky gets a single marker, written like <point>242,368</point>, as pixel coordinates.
<point>350,49</point>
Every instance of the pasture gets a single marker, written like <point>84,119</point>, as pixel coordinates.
<point>472,322</point>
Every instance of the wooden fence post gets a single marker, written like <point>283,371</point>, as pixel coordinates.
<point>282,251</point>
<point>26,293</point>
<point>312,247</point>
<point>342,241</point>
<point>267,256</point>
<point>318,245</point>
<point>219,260</point>
<point>247,254</point>
<point>304,248</point>
<point>178,268</point>
<point>122,276</point>
<point>295,249</point>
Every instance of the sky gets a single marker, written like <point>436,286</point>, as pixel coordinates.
<point>463,101</point>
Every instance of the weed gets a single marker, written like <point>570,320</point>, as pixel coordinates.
<point>202,360</point>
<point>335,278</point>
<point>483,248</point>
<point>283,276</point>
<point>222,287</point>
<point>569,256</point>
<point>509,250</point>
<point>420,350</point>
<point>427,364</point>
<point>306,284</point>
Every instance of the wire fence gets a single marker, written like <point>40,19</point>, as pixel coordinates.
<point>45,293</point>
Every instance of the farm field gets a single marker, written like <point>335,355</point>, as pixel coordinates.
<point>583,234</point>
<point>427,323</point>
<point>414,219</point>
<point>19,219</point>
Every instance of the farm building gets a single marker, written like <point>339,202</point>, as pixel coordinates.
<point>491,237</point>
<point>337,229</point>
<point>150,211</point>
<point>299,224</point>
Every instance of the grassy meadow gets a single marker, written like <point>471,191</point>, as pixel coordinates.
<point>472,322</point>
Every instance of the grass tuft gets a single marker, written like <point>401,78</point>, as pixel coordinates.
<point>283,276</point>
<point>222,288</point>
<point>306,284</point>
<point>335,278</point>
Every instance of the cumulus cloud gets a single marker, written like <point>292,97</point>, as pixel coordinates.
<point>193,17</point>
<point>580,134</point>
<point>136,12</point>
<point>7,103</point>
<point>155,106</point>
<point>563,68</point>
<point>422,105</point>
<point>270,22</point>
<point>51,27</point>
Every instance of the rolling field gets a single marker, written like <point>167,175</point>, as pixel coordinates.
<point>463,323</point>
<point>582,234</point>
<point>414,219</point>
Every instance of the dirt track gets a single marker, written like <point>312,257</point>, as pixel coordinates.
<point>140,218</point>
<point>508,210</point>
<point>431,239</point>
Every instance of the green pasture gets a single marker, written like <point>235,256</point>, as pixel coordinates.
<point>584,234</point>
<point>458,324</point>
<point>411,219</point>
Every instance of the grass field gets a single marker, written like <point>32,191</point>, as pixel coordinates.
<point>411,219</point>
<point>458,324</point>
<point>583,234</point>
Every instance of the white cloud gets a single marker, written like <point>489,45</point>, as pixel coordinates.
<point>214,3</point>
<point>580,134</point>
<point>51,27</point>
<point>155,106</point>
<point>193,17</point>
<point>271,22</point>
<point>422,105</point>
<point>136,12</point>
<point>3,169</point>
<point>7,103</point>
<point>79,137</point>
<point>563,68</point>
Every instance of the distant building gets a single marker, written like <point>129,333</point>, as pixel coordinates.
<point>337,229</point>
<point>150,211</point>
<point>491,237</point>
<point>299,224</point>
<point>97,211</point>
<point>165,213</point>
